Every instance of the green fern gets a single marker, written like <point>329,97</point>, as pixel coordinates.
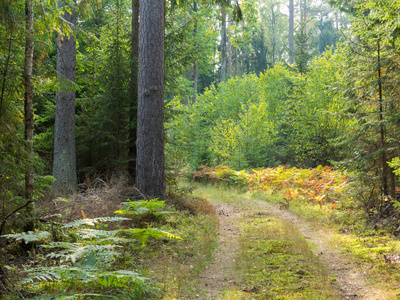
<point>92,222</point>
<point>43,274</point>
<point>142,207</point>
<point>29,237</point>
<point>89,256</point>
<point>75,251</point>
<point>142,235</point>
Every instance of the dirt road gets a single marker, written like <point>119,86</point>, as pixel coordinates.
<point>351,282</point>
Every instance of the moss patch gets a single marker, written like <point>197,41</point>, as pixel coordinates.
<point>275,262</point>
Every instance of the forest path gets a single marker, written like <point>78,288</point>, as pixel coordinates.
<point>219,277</point>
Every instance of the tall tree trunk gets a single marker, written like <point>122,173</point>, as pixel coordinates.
<point>134,89</point>
<point>273,28</point>
<point>64,164</point>
<point>223,43</point>
<point>336,21</point>
<point>229,50</point>
<point>385,166</point>
<point>150,169</point>
<point>236,63</point>
<point>28,109</point>
<point>305,15</point>
<point>195,71</point>
<point>5,71</point>
<point>28,106</point>
<point>291,31</point>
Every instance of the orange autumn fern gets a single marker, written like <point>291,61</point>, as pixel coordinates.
<point>321,185</point>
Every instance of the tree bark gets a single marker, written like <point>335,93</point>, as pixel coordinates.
<point>5,71</point>
<point>223,43</point>
<point>64,164</point>
<point>134,89</point>
<point>385,166</point>
<point>28,111</point>
<point>229,50</point>
<point>337,21</point>
<point>150,169</point>
<point>305,16</point>
<point>273,28</point>
<point>28,105</point>
<point>291,31</point>
<point>195,71</point>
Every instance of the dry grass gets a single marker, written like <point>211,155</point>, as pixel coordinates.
<point>97,198</point>
<point>193,205</point>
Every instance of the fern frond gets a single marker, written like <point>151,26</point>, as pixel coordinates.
<point>30,236</point>
<point>116,240</point>
<point>142,235</point>
<point>83,296</point>
<point>75,251</point>
<point>88,233</point>
<point>42,274</point>
<point>92,222</point>
<point>142,207</point>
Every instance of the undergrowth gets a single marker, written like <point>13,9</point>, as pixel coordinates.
<point>149,249</point>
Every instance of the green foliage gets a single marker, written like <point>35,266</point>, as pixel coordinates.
<point>370,74</point>
<point>140,207</point>
<point>395,164</point>
<point>277,118</point>
<point>89,256</point>
<point>104,68</point>
<point>29,237</point>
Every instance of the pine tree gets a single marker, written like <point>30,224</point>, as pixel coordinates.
<point>64,164</point>
<point>150,168</point>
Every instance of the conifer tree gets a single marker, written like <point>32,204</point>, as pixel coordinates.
<point>64,164</point>
<point>371,73</point>
<point>150,168</point>
<point>134,89</point>
<point>29,121</point>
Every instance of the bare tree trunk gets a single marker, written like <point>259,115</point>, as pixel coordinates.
<point>385,166</point>
<point>336,20</point>
<point>64,164</point>
<point>229,51</point>
<point>273,25</point>
<point>195,71</point>
<point>150,169</point>
<point>134,87</point>
<point>291,31</point>
<point>305,16</point>
<point>223,43</point>
<point>28,107</point>
<point>5,71</point>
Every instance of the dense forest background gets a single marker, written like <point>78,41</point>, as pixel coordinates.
<point>250,84</point>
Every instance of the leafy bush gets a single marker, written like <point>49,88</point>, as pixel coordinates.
<point>279,117</point>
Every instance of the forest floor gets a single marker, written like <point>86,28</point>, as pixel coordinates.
<point>237,245</point>
<point>314,266</point>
